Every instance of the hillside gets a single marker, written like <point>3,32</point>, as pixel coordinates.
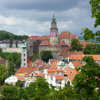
<point>7,35</point>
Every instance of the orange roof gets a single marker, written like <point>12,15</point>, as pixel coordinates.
<point>76,63</point>
<point>64,52</point>
<point>67,35</point>
<point>84,44</point>
<point>44,37</point>
<point>76,57</point>
<point>38,37</point>
<point>20,77</point>
<point>41,75</point>
<point>59,77</point>
<point>52,61</point>
<point>51,73</point>
<point>80,57</point>
<point>34,38</point>
<point>71,74</point>
<point>26,70</point>
<point>46,43</point>
<point>95,57</point>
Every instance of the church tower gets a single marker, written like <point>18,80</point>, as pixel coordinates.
<point>24,55</point>
<point>53,32</point>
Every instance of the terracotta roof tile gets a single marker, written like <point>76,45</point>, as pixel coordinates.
<point>67,35</point>
<point>38,37</point>
<point>59,77</point>
<point>84,44</point>
<point>28,70</point>
<point>80,57</point>
<point>41,75</point>
<point>45,43</point>
<point>71,73</point>
<point>76,64</point>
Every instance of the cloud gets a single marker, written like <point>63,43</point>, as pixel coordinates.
<point>33,17</point>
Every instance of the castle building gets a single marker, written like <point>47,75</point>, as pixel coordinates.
<point>54,42</point>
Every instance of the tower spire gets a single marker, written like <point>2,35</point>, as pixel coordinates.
<point>53,32</point>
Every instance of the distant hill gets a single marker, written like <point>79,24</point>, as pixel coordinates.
<point>7,35</point>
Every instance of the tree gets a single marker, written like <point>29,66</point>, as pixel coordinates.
<point>39,88</point>
<point>46,55</point>
<point>10,92</point>
<point>11,68</point>
<point>75,45</point>
<point>19,83</point>
<point>87,80</point>
<point>89,49</point>
<point>11,42</point>
<point>95,9</point>
<point>3,73</point>
<point>92,49</point>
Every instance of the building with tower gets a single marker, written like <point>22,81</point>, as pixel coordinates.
<point>54,42</point>
<point>53,32</point>
<point>24,55</point>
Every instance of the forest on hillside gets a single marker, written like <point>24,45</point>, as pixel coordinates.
<point>4,35</point>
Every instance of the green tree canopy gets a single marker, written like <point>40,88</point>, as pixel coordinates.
<point>87,80</point>
<point>46,55</point>
<point>75,45</point>
<point>3,73</point>
<point>7,35</point>
<point>38,88</point>
<point>95,10</point>
<point>92,49</point>
<point>9,92</point>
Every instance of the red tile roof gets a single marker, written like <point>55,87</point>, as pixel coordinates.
<point>27,70</point>
<point>34,38</point>
<point>84,44</point>
<point>67,35</point>
<point>41,75</point>
<point>38,37</point>
<point>59,77</point>
<point>76,57</point>
<point>45,43</point>
<point>76,64</point>
<point>80,57</point>
<point>64,52</point>
<point>21,78</point>
<point>71,73</point>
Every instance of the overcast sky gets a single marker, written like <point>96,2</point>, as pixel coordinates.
<point>33,17</point>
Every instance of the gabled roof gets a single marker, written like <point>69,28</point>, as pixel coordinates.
<point>76,64</point>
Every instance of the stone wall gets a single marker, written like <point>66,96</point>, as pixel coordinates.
<point>11,50</point>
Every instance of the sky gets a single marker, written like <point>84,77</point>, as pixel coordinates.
<point>33,17</point>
